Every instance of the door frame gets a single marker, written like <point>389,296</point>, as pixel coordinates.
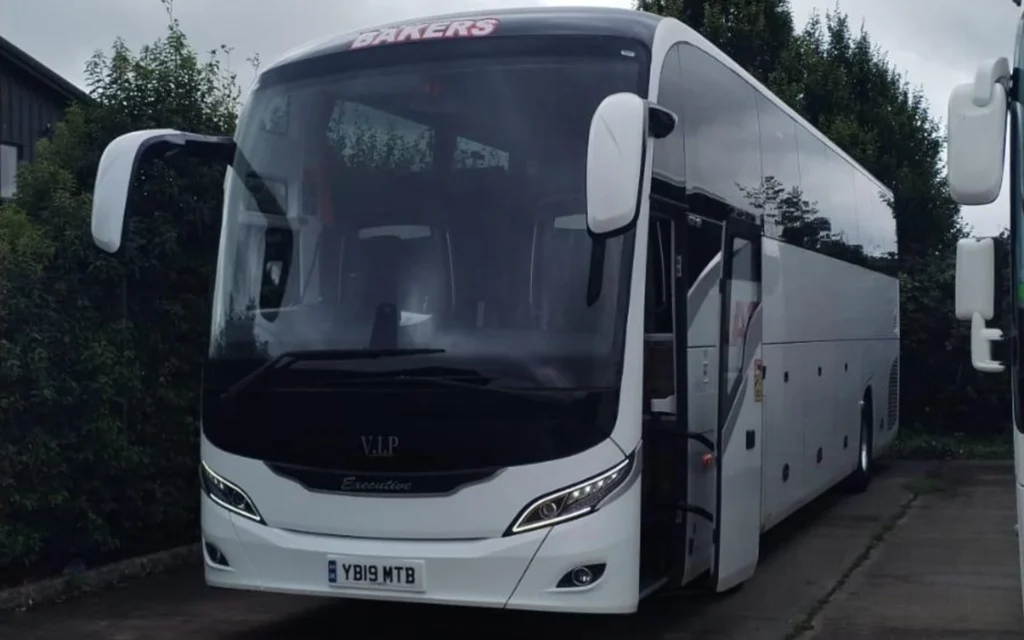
<point>744,229</point>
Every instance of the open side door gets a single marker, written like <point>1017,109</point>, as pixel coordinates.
<point>663,549</point>
<point>740,404</point>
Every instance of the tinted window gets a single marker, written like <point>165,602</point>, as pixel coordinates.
<point>721,129</point>
<point>669,156</point>
<point>499,260</point>
<point>780,198</point>
<point>808,224</point>
<point>841,209</point>
<point>877,225</point>
<point>436,196</point>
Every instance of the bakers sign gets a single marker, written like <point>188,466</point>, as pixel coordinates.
<point>446,29</point>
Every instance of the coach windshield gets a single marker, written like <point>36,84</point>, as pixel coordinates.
<point>404,241</point>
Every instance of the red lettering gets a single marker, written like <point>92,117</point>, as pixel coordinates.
<point>741,315</point>
<point>410,32</point>
<point>435,30</point>
<point>459,29</point>
<point>738,323</point>
<point>363,40</point>
<point>386,36</point>
<point>484,27</point>
<point>426,31</point>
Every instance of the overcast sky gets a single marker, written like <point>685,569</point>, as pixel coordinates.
<point>937,43</point>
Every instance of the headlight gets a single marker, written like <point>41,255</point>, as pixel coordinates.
<point>573,502</point>
<point>227,494</point>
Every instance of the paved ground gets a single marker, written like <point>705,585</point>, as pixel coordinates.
<point>949,570</point>
<point>848,567</point>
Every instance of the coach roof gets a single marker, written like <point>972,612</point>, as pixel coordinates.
<point>555,21</point>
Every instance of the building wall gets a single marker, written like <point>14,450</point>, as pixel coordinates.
<point>27,108</point>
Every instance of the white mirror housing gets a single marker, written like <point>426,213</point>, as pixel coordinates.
<point>975,298</point>
<point>616,152</point>
<point>120,162</point>
<point>976,134</point>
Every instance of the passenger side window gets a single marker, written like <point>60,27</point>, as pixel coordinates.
<point>829,225</point>
<point>780,198</point>
<point>809,227</point>
<point>877,225</point>
<point>722,132</point>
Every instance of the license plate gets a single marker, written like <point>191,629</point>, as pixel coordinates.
<point>376,573</point>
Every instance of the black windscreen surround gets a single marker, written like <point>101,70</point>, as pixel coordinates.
<point>408,262</point>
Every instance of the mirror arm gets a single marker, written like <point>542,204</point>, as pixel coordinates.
<point>987,76</point>
<point>982,338</point>
<point>660,121</point>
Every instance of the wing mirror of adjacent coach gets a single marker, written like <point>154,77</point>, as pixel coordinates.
<point>119,166</point>
<point>976,134</point>
<point>975,298</point>
<point>616,151</point>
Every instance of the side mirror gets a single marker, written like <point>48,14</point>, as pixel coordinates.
<point>975,298</point>
<point>120,163</point>
<point>976,134</point>
<point>615,162</point>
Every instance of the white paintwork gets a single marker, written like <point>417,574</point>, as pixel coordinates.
<point>820,312</point>
<point>739,520</point>
<point>816,312</point>
<point>975,294</point>
<point>459,538</point>
<point>976,134</point>
<point>975,278</point>
<point>113,182</point>
<point>615,156</point>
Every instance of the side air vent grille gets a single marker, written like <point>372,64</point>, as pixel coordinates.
<point>894,394</point>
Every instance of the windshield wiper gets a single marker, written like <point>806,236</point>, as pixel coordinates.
<point>483,385</point>
<point>289,358</point>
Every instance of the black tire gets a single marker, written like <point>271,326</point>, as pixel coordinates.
<point>860,479</point>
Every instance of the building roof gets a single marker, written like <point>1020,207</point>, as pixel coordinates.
<point>49,77</point>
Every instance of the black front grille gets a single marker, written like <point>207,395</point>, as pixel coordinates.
<point>396,484</point>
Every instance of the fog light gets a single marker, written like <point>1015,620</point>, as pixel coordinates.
<point>216,556</point>
<point>582,576</point>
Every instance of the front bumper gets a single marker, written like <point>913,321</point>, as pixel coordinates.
<point>515,572</point>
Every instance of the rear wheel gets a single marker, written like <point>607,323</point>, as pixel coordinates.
<point>859,480</point>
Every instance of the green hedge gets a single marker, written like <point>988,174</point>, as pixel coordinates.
<point>100,355</point>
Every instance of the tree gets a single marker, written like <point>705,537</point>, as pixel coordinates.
<point>100,354</point>
<point>755,33</point>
